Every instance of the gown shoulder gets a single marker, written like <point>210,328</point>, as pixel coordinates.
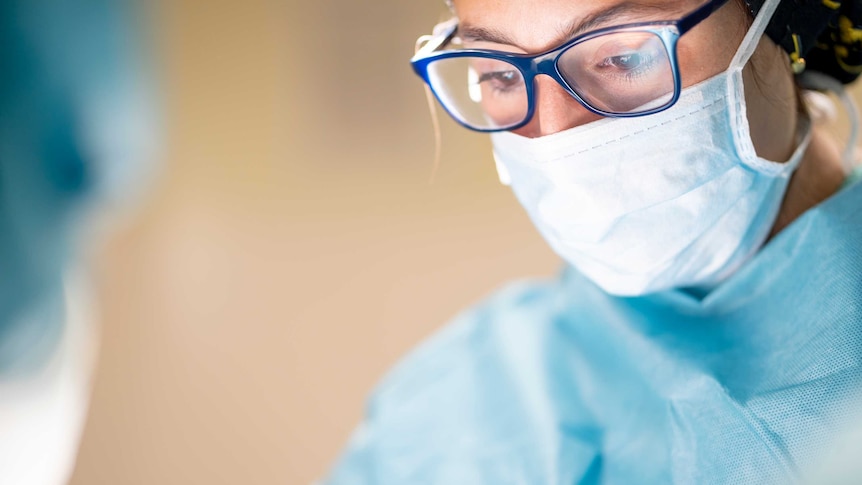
<point>458,406</point>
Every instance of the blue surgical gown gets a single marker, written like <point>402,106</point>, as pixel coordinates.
<point>77,130</point>
<point>560,383</point>
<point>78,126</point>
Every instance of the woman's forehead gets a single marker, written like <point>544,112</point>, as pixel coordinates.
<point>534,25</point>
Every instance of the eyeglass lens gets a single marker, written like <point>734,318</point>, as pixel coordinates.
<point>624,72</point>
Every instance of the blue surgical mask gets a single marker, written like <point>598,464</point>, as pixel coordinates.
<point>675,199</point>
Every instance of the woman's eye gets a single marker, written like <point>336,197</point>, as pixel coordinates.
<point>626,62</point>
<point>501,79</point>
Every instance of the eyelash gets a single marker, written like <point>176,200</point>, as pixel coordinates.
<point>498,76</point>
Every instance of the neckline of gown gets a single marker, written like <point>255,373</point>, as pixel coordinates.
<point>752,280</point>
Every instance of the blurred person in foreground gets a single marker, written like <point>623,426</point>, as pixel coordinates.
<point>77,130</point>
<point>707,328</point>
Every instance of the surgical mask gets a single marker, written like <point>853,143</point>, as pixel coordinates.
<point>675,199</point>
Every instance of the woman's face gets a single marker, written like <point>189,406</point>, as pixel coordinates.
<point>533,26</point>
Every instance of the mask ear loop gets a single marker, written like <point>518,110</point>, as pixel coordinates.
<point>821,82</point>
<point>752,37</point>
<point>435,120</point>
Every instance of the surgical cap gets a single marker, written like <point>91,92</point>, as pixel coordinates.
<point>819,35</point>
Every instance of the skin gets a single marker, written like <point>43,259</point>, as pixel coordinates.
<point>533,26</point>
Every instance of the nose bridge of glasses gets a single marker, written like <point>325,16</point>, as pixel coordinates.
<point>555,108</point>
<point>546,65</point>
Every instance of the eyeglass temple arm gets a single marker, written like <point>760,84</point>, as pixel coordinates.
<point>442,33</point>
<point>689,21</point>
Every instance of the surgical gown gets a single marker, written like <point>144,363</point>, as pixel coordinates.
<point>77,132</point>
<point>560,383</point>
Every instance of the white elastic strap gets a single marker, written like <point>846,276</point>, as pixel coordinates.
<point>849,156</point>
<point>822,82</point>
<point>502,171</point>
<point>752,38</point>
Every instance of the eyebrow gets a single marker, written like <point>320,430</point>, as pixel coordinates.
<point>475,33</point>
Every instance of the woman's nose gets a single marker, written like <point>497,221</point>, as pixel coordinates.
<point>556,110</point>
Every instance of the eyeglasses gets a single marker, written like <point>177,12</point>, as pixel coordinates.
<point>622,71</point>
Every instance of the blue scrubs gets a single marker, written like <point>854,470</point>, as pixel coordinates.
<point>560,383</point>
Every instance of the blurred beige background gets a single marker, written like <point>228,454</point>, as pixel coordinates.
<point>293,248</point>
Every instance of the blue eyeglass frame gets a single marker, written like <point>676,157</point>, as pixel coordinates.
<point>530,66</point>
